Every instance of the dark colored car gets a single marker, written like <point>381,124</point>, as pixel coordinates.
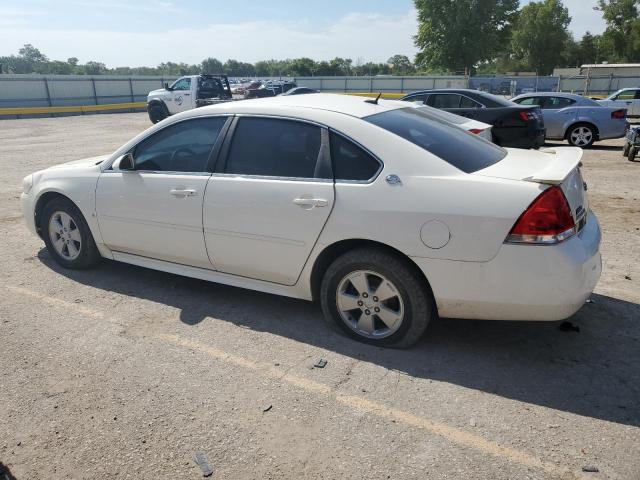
<point>300,91</point>
<point>513,125</point>
<point>270,89</point>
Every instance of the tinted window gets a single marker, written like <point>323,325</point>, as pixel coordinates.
<point>181,84</point>
<point>181,147</point>
<point>528,101</point>
<point>461,149</point>
<point>626,95</point>
<point>350,162</point>
<point>417,98</point>
<point>274,148</point>
<point>445,101</point>
<point>466,102</point>
<point>554,103</point>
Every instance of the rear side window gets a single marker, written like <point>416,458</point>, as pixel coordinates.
<point>445,100</point>
<point>274,148</point>
<point>461,149</point>
<point>466,102</point>
<point>529,101</point>
<point>350,162</point>
<point>181,147</point>
<point>556,103</point>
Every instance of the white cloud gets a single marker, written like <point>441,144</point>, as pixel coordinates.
<point>370,36</point>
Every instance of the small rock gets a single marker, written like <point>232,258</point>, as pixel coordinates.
<point>627,277</point>
<point>472,422</point>
<point>590,468</point>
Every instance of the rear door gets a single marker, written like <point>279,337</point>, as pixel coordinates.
<point>558,115</point>
<point>269,199</point>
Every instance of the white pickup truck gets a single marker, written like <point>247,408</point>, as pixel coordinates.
<point>186,93</point>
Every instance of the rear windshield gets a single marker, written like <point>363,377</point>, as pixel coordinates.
<point>463,150</point>
<point>442,115</point>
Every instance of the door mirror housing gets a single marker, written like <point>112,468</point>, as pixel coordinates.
<point>166,86</point>
<point>126,162</point>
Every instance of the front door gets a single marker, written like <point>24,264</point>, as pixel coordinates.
<point>267,205</point>
<point>181,98</point>
<point>557,114</point>
<point>156,210</point>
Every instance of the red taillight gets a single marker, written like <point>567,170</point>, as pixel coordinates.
<point>619,115</point>
<point>476,131</point>
<point>528,115</point>
<point>548,220</point>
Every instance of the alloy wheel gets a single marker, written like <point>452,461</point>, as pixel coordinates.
<point>370,304</point>
<point>65,235</point>
<point>581,136</point>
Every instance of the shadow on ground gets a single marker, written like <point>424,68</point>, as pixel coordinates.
<point>595,373</point>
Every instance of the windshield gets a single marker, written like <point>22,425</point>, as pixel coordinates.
<point>455,146</point>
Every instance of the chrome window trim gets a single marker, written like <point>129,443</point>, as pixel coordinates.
<point>274,178</point>
<point>160,172</point>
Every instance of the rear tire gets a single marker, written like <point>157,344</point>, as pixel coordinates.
<point>157,112</point>
<point>625,149</point>
<point>633,151</point>
<point>396,317</point>
<point>581,135</point>
<point>67,235</point>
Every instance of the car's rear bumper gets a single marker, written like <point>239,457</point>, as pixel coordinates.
<point>522,282</point>
<point>520,137</point>
<point>614,130</point>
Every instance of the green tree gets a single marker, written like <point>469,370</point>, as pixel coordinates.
<point>212,66</point>
<point>400,65</point>
<point>621,40</point>
<point>458,35</point>
<point>94,68</point>
<point>540,37</point>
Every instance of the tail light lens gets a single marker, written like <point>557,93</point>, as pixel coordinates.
<point>619,115</point>
<point>547,221</point>
<point>528,115</point>
<point>476,131</point>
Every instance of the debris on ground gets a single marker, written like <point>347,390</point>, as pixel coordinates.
<point>590,468</point>
<point>203,463</point>
<point>267,408</point>
<point>472,422</point>
<point>321,363</point>
<point>569,327</point>
<point>590,300</point>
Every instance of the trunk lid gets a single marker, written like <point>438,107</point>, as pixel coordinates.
<point>549,166</point>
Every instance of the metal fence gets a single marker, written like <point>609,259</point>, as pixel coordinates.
<point>62,91</point>
<point>75,90</point>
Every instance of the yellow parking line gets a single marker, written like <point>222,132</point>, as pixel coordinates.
<point>71,108</point>
<point>363,405</point>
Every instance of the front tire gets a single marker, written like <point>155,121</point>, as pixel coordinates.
<point>581,135</point>
<point>67,235</point>
<point>376,297</point>
<point>631,156</point>
<point>625,149</point>
<point>157,112</point>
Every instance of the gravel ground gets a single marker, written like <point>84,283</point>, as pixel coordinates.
<point>122,372</point>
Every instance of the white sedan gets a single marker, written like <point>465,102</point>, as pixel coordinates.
<point>384,215</point>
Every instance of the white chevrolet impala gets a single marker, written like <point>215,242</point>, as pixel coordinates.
<point>386,215</point>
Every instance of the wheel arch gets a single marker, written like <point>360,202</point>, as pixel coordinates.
<point>42,201</point>
<point>333,251</point>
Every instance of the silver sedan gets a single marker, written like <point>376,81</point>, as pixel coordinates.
<point>579,120</point>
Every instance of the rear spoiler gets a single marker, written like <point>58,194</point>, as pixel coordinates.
<point>566,160</point>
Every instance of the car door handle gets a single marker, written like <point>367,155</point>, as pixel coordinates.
<point>187,94</point>
<point>183,192</point>
<point>311,202</point>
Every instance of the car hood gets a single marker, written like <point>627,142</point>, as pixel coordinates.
<point>160,91</point>
<point>85,162</point>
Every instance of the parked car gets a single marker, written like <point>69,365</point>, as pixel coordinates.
<point>300,91</point>
<point>384,215</point>
<point>628,98</point>
<point>579,120</point>
<point>513,125</point>
<point>186,93</point>
<point>269,89</point>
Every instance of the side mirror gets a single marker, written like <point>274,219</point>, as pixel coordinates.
<point>166,86</point>
<point>126,162</point>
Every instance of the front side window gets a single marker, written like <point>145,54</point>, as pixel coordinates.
<point>529,101</point>
<point>461,149</point>
<point>182,84</point>
<point>350,162</point>
<point>447,100</point>
<point>626,95</point>
<point>181,147</point>
<point>274,148</point>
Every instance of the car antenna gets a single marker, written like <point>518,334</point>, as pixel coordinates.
<point>375,102</point>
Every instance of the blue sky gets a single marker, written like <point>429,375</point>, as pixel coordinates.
<point>147,32</point>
